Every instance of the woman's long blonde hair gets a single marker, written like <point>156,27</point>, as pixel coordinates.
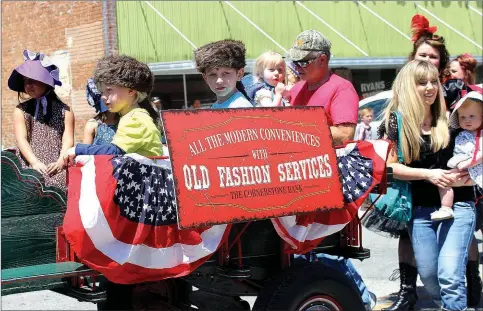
<point>411,106</point>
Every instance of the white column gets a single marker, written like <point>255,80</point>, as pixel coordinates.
<point>185,92</point>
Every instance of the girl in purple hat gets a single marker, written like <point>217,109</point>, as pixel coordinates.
<point>43,124</point>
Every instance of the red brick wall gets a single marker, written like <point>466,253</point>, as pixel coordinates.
<point>73,30</point>
<point>111,21</point>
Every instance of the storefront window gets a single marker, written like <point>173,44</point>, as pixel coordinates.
<point>367,82</point>
<point>479,74</point>
<point>169,89</point>
<point>198,90</point>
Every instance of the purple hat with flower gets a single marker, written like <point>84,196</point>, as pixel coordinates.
<point>37,66</point>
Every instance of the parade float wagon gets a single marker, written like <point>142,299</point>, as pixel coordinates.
<point>255,257</point>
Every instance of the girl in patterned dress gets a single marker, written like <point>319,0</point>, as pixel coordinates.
<point>101,129</point>
<point>43,124</point>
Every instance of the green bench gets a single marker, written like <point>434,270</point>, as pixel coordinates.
<point>31,212</point>
<point>45,271</point>
<point>53,276</point>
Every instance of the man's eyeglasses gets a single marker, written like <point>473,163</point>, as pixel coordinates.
<point>303,63</point>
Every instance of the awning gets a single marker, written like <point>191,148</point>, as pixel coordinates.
<point>363,34</point>
<point>189,67</point>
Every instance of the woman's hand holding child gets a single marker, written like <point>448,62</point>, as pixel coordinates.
<point>461,176</point>
<point>440,178</point>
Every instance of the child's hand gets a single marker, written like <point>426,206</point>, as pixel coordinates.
<point>464,164</point>
<point>455,160</point>
<point>56,167</point>
<point>40,167</point>
<point>456,174</point>
<point>69,156</point>
<point>286,93</point>
<point>279,89</point>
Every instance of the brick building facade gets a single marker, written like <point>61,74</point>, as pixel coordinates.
<point>75,34</point>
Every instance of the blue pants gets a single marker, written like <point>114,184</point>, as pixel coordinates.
<point>441,252</point>
<point>343,265</point>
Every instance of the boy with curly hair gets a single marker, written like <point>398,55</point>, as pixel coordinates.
<point>222,65</point>
<point>125,85</point>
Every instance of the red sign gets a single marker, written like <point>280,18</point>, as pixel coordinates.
<point>235,165</point>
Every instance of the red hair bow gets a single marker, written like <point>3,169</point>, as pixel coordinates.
<point>419,26</point>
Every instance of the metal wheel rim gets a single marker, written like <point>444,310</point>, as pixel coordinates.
<point>320,303</point>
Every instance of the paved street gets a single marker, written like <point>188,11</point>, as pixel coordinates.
<point>375,272</point>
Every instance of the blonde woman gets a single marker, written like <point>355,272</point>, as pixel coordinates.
<point>440,247</point>
<point>428,46</point>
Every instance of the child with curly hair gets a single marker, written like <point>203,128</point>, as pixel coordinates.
<point>222,65</point>
<point>125,85</point>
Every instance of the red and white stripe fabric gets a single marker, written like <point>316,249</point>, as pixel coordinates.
<point>128,251</point>
<point>124,251</point>
<point>304,232</point>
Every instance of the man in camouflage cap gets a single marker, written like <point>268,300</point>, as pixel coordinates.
<point>307,42</point>
<point>310,54</point>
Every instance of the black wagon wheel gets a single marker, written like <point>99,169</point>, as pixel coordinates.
<point>166,295</point>
<point>309,287</point>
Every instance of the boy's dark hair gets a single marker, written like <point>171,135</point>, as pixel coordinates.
<point>146,104</point>
<point>224,53</point>
<point>128,72</point>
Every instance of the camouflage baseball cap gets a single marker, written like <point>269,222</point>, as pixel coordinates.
<point>306,42</point>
